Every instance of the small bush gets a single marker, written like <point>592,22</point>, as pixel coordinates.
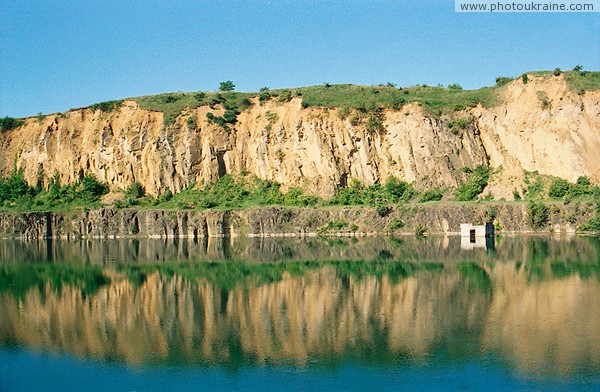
<point>490,213</point>
<point>272,117</point>
<point>395,224</point>
<point>398,190</point>
<point>165,196</point>
<point>107,106</point>
<point>559,188</point>
<point>474,185</point>
<point>583,181</point>
<point>525,78</point>
<point>516,194</point>
<point>382,209</point>
<point>459,123</point>
<point>337,225</point>
<point>280,155</point>
<point>420,231</point>
<point>502,80</point>
<point>14,187</point>
<point>285,96</point>
<point>191,122</point>
<point>92,189</point>
<point>135,191</point>
<point>434,194</point>
<point>534,185</point>
<point>455,87</point>
<point>594,223</point>
<point>537,214</point>
<point>544,101</point>
<point>8,123</point>
<point>169,98</point>
<point>556,72</point>
<point>226,86</point>
<point>355,119</point>
<point>264,95</point>
<point>245,103</point>
<point>397,103</point>
<point>374,123</point>
<point>229,117</point>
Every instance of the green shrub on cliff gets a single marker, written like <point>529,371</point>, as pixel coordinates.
<point>107,106</point>
<point>537,214</point>
<point>91,189</point>
<point>135,191</point>
<point>434,194</point>
<point>377,195</point>
<point>17,194</point>
<point>474,185</point>
<point>15,187</point>
<point>593,224</point>
<point>237,192</point>
<point>8,123</point>
<point>560,188</point>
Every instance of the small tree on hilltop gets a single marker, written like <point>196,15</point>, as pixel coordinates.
<point>226,86</point>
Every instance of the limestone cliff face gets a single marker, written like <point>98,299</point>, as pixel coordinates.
<point>314,148</point>
<point>560,138</point>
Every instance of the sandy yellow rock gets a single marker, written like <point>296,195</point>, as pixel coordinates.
<point>314,148</point>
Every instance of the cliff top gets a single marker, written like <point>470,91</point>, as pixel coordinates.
<point>436,100</point>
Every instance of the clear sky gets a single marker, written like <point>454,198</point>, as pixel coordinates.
<point>57,55</point>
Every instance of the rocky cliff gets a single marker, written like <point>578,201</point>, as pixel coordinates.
<point>286,221</point>
<point>540,125</point>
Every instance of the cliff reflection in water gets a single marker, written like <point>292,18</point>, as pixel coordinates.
<point>534,303</point>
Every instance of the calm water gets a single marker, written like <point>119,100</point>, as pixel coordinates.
<point>289,314</point>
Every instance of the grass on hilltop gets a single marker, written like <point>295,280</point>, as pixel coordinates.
<point>577,81</point>
<point>172,104</point>
<point>435,99</point>
<point>583,81</point>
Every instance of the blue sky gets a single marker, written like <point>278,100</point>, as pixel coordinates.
<point>58,55</point>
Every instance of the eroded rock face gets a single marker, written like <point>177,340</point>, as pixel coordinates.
<point>314,148</point>
<point>544,127</point>
<point>281,221</point>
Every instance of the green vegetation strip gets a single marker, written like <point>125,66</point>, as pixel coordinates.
<point>229,274</point>
<point>19,278</point>
<point>17,195</point>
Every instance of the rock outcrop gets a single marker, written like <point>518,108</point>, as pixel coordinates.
<point>284,221</point>
<point>313,147</point>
